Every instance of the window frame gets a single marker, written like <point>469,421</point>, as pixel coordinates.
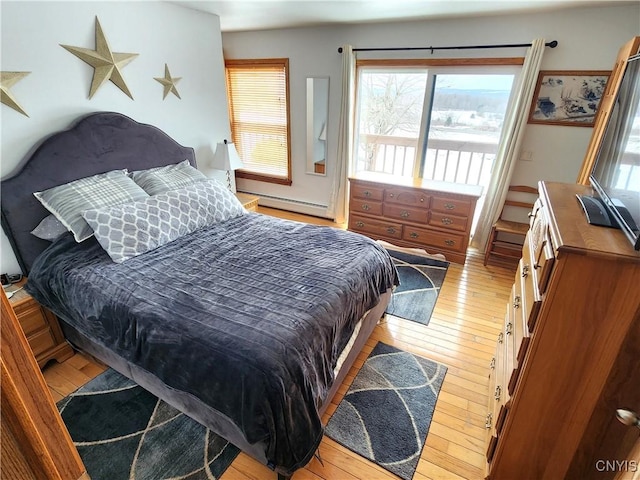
<point>256,64</point>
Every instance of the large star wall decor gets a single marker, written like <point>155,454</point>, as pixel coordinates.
<point>168,82</point>
<point>8,80</point>
<point>107,64</point>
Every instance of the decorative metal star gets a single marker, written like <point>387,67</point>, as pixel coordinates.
<point>8,80</point>
<point>106,64</point>
<point>169,83</point>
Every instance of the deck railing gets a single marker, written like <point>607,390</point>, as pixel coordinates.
<point>447,160</point>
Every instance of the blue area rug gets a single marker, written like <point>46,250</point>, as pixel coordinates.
<point>124,432</point>
<point>420,281</point>
<point>386,413</point>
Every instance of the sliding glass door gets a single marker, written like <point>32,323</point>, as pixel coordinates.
<point>441,123</point>
<point>390,108</point>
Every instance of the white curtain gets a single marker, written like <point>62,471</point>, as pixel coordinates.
<point>338,199</point>
<point>509,148</point>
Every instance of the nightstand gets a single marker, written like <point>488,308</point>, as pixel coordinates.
<point>40,326</point>
<point>250,202</point>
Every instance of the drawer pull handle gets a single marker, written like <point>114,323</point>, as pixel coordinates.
<point>367,193</point>
<point>391,195</point>
<point>422,199</point>
<point>451,243</point>
<point>516,301</point>
<point>414,235</point>
<point>449,206</point>
<point>391,230</point>
<point>537,264</point>
<point>509,328</point>
<point>404,214</point>
<point>492,364</point>
<point>488,421</point>
<point>360,224</point>
<point>365,206</point>
<point>497,393</point>
<point>500,337</point>
<point>447,220</point>
<point>525,270</point>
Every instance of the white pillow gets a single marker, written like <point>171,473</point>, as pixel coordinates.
<point>171,177</point>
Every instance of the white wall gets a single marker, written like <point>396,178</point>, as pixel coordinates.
<point>56,92</point>
<point>589,39</point>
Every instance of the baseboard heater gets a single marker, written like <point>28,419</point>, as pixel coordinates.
<point>297,206</point>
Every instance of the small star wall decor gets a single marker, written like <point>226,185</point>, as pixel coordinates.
<point>107,64</point>
<point>8,80</point>
<point>169,83</point>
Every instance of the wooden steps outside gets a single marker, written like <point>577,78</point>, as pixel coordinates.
<point>461,334</point>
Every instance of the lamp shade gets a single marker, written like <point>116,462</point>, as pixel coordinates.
<point>226,157</point>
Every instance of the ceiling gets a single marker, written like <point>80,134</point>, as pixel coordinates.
<point>243,15</point>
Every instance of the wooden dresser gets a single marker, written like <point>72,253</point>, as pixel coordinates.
<point>41,328</point>
<point>427,214</point>
<point>569,353</point>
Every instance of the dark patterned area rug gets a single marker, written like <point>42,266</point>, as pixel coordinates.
<point>420,281</point>
<point>124,432</point>
<point>386,413</point>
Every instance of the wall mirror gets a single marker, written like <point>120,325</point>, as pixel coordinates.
<point>317,116</point>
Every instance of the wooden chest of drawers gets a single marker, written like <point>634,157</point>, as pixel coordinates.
<point>41,328</point>
<point>435,216</point>
<point>567,356</point>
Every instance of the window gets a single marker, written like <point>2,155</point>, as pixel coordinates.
<point>258,92</point>
<point>440,122</point>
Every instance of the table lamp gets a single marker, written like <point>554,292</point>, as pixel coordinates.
<point>226,158</point>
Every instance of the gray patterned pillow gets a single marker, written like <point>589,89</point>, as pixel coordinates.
<point>68,201</point>
<point>162,179</point>
<point>125,231</point>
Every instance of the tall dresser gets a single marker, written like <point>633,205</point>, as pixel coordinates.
<point>569,353</point>
<point>427,214</point>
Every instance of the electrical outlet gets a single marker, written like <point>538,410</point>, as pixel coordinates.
<point>526,156</point>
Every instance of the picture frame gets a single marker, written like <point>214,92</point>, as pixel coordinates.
<point>568,97</point>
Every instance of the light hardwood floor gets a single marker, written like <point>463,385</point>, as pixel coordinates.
<point>462,335</point>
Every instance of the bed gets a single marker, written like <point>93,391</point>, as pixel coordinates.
<point>248,325</point>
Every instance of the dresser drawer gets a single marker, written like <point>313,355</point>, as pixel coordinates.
<point>543,261</point>
<point>365,206</point>
<point>367,192</point>
<point>535,211</point>
<point>31,318</point>
<point>542,251</point>
<point>376,228</point>
<point>406,214</point>
<point>531,299</point>
<point>452,222</point>
<point>454,206</point>
<point>448,241</point>
<point>411,197</point>
<point>519,332</point>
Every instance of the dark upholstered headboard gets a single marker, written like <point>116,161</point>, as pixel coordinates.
<point>96,143</point>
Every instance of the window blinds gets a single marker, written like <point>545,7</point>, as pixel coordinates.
<point>259,114</point>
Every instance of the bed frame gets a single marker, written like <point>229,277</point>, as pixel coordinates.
<point>97,143</point>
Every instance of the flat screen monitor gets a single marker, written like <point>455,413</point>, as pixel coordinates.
<point>616,173</point>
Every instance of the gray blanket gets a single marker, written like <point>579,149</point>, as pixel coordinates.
<point>249,316</point>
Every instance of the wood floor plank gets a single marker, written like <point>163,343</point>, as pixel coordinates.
<point>462,335</point>
<point>78,361</point>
